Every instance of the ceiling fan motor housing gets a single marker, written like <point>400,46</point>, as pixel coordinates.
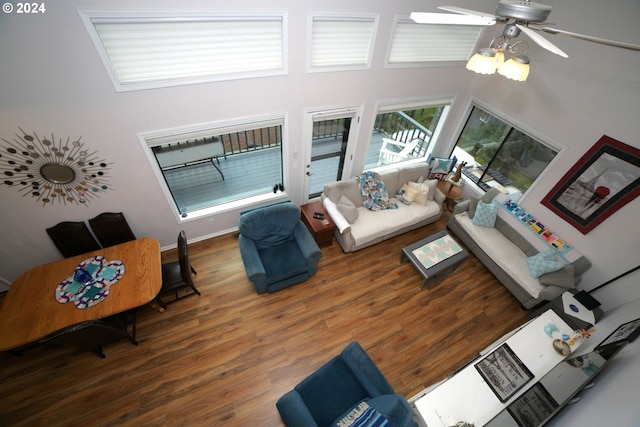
<point>523,10</point>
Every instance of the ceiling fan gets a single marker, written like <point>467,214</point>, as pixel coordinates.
<point>518,16</point>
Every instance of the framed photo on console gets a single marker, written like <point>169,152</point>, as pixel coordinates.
<point>504,372</point>
<point>625,332</point>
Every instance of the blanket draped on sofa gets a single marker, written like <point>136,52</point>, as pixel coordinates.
<point>374,193</point>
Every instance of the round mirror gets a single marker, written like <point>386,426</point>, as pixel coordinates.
<point>57,173</point>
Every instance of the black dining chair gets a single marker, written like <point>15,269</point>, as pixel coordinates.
<point>111,228</point>
<point>92,335</point>
<point>177,275</point>
<point>73,238</point>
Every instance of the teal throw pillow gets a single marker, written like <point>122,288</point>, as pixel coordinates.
<point>542,263</point>
<point>485,215</point>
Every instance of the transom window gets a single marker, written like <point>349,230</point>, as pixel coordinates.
<point>405,132</point>
<point>499,155</point>
<point>419,44</point>
<point>340,42</point>
<point>201,169</point>
<point>157,49</point>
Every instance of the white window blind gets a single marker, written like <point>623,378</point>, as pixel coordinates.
<point>419,43</point>
<point>341,42</point>
<point>160,51</point>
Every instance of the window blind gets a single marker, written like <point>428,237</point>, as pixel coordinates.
<point>341,42</point>
<point>191,49</point>
<point>414,43</point>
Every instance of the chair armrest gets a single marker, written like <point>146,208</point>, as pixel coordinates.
<point>308,246</point>
<point>253,263</point>
<point>461,207</point>
<point>365,370</point>
<point>439,197</point>
<point>294,412</point>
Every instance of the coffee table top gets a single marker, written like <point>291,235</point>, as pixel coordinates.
<point>445,254</point>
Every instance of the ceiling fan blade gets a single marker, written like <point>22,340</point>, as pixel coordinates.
<point>544,43</point>
<point>469,12</point>
<point>450,19</point>
<point>608,42</point>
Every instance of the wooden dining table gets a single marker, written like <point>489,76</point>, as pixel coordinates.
<point>30,310</point>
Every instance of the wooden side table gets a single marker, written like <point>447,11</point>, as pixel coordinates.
<point>451,192</point>
<point>321,229</point>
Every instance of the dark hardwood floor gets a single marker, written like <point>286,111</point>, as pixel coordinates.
<point>224,358</point>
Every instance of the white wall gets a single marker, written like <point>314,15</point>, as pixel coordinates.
<point>54,82</point>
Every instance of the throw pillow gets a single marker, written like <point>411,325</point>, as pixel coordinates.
<point>347,209</point>
<point>426,190</point>
<point>410,193</point>
<point>543,262</point>
<point>440,168</point>
<point>565,277</point>
<point>485,215</point>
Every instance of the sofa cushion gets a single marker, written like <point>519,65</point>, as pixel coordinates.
<point>348,187</point>
<point>413,173</point>
<point>543,262</point>
<point>485,215</point>
<point>503,252</point>
<point>422,192</point>
<point>347,209</point>
<point>283,261</point>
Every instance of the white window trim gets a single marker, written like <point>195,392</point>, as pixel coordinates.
<point>375,18</point>
<point>406,19</point>
<point>88,15</point>
<point>157,137</point>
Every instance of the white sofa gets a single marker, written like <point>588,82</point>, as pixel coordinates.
<point>504,251</point>
<point>372,227</point>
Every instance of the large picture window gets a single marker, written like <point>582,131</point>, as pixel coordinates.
<point>499,155</point>
<point>404,132</point>
<point>206,168</point>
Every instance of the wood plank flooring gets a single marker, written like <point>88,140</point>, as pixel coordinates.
<point>225,358</point>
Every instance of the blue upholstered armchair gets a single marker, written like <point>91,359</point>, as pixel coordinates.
<point>276,248</point>
<point>337,390</point>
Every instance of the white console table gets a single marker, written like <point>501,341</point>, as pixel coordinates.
<point>466,396</point>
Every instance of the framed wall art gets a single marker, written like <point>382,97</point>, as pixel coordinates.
<point>605,179</point>
<point>504,372</point>
<point>625,332</point>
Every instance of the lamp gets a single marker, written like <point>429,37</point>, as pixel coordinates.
<point>492,59</point>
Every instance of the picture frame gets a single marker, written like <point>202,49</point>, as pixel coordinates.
<point>625,332</point>
<point>602,181</point>
<point>533,407</point>
<point>504,372</point>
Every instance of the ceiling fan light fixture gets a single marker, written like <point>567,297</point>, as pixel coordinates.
<point>516,68</point>
<point>483,61</point>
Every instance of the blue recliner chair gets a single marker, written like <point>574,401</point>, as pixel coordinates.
<point>276,248</point>
<point>336,392</point>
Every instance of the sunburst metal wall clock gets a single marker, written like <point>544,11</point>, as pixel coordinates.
<point>52,172</point>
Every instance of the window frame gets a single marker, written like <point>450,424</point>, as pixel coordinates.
<point>513,124</point>
<point>347,17</point>
<point>150,139</point>
<point>399,105</point>
<point>180,15</point>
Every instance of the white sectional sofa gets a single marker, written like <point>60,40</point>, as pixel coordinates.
<point>504,250</point>
<point>372,227</point>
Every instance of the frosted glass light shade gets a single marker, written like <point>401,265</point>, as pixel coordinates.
<point>516,68</point>
<point>483,62</point>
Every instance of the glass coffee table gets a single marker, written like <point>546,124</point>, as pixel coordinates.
<point>434,257</point>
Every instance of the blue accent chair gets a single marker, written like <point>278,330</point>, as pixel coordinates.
<point>330,393</point>
<point>276,248</point>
